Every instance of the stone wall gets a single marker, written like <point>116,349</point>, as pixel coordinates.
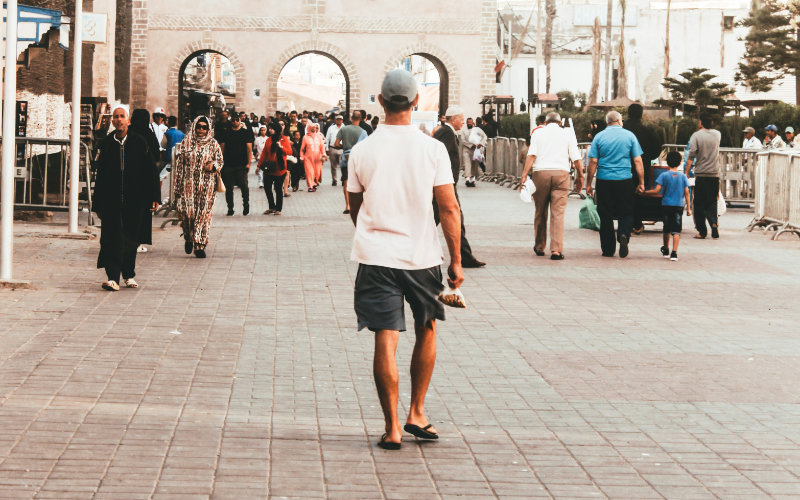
<point>41,81</point>
<point>67,8</point>
<point>358,36</point>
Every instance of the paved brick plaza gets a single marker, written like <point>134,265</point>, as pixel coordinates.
<point>242,375</point>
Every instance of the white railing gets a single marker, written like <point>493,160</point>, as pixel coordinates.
<point>777,201</point>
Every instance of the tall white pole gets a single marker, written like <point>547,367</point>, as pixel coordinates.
<point>75,133</point>
<point>9,143</point>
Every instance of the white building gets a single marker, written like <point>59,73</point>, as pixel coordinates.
<point>703,33</point>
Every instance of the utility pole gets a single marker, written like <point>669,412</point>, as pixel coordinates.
<point>75,131</point>
<point>9,144</point>
<point>539,46</point>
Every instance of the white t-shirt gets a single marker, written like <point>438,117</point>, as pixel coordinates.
<point>159,131</point>
<point>555,148</point>
<point>397,168</point>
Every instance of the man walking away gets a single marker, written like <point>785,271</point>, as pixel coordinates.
<point>346,138</point>
<point>552,151</point>
<point>448,135</point>
<point>610,155</point>
<point>334,153</point>
<point>703,156</point>
<point>395,175</point>
<point>472,139</point>
<point>237,148</point>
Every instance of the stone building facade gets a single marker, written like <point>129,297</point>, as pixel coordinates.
<point>365,39</point>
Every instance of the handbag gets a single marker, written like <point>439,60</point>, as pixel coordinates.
<point>220,184</point>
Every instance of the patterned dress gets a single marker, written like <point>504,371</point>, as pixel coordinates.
<point>195,187</point>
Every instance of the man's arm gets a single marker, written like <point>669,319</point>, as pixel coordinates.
<point>356,199</point>
<point>450,216</point>
<point>688,201</point>
<point>528,164</point>
<point>590,170</point>
<point>249,154</point>
<point>578,166</point>
<point>637,162</point>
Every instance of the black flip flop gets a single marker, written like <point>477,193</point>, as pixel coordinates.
<point>421,432</point>
<point>388,445</point>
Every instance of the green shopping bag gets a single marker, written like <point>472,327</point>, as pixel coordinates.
<point>588,217</point>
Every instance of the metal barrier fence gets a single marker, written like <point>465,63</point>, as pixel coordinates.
<point>777,202</point>
<point>41,177</point>
<point>737,167</point>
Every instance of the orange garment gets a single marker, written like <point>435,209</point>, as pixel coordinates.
<point>267,155</point>
<point>311,152</point>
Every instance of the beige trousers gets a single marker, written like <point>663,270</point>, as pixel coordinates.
<point>552,191</point>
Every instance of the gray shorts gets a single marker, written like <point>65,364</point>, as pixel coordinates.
<point>379,294</point>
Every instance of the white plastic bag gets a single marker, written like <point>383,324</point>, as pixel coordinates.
<point>291,159</point>
<point>526,193</point>
<point>722,208</point>
<point>453,298</point>
<point>477,155</point>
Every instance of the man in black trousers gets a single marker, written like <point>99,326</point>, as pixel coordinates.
<point>448,135</point>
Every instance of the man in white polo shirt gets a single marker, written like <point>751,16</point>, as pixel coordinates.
<point>393,177</point>
<point>553,150</point>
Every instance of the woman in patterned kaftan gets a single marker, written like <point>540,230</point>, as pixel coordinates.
<point>198,160</point>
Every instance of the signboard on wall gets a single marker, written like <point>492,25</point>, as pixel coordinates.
<point>95,27</point>
<point>22,119</point>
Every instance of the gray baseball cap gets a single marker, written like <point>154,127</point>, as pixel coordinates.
<point>399,87</point>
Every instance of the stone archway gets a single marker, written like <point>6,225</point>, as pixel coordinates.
<point>177,63</point>
<point>328,50</point>
<point>444,63</point>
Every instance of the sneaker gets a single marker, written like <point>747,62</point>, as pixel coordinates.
<point>200,253</point>
<point>665,252</point>
<point>715,233</point>
<point>333,183</point>
<point>246,210</point>
<point>623,246</point>
<point>230,212</point>
<point>141,249</point>
<point>673,256</point>
<point>260,185</point>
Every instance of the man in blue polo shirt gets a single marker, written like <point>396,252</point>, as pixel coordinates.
<point>610,156</point>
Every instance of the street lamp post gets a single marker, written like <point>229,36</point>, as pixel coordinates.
<point>75,132</point>
<point>9,144</point>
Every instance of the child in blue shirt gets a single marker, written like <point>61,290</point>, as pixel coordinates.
<point>675,186</point>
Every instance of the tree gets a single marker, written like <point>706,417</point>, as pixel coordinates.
<point>694,88</point>
<point>608,47</point>
<point>622,74</point>
<point>550,10</point>
<point>666,45</point>
<point>771,45</point>
<point>596,48</point>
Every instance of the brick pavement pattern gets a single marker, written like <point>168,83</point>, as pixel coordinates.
<point>242,375</point>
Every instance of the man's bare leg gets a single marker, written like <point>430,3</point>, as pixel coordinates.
<point>384,368</point>
<point>422,363</point>
<point>346,199</point>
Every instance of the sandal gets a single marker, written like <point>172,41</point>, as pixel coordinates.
<point>110,285</point>
<point>131,283</point>
<point>268,211</point>
<point>421,432</point>
<point>388,445</point>
<point>699,237</point>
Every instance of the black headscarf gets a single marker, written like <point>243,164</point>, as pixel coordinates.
<point>140,123</point>
<point>276,134</point>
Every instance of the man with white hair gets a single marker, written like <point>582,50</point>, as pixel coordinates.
<point>553,150</point>
<point>448,135</point>
<point>610,156</point>
<point>126,189</point>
